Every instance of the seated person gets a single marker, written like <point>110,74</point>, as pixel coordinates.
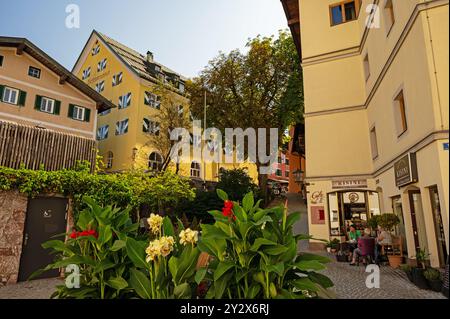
<point>366,247</point>
<point>354,234</point>
<point>384,238</point>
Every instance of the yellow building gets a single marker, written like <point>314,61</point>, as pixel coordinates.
<point>130,80</point>
<point>376,114</point>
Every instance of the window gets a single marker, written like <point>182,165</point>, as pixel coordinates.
<point>286,174</point>
<point>389,16</point>
<point>400,114</point>
<point>366,66</point>
<point>280,160</point>
<point>181,87</point>
<point>122,127</point>
<point>102,132</point>
<point>100,86</point>
<point>101,65</point>
<point>344,11</point>
<point>117,79</point>
<point>279,172</point>
<point>374,143</point>
<point>155,161</point>
<point>151,127</point>
<point>47,105</point>
<point>34,72</point>
<point>287,161</point>
<point>1,60</point>
<point>195,170</point>
<point>79,113</point>
<point>109,160</point>
<point>86,73</point>
<point>96,50</point>
<point>124,101</point>
<point>10,95</point>
<point>152,100</point>
<point>105,112</point>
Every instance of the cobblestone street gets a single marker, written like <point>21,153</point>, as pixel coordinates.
<point>36,289</point>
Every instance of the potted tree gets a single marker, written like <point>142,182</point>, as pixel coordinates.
<point>408,271</point>
<point>433,277</point>
<point>332,246</point>
<point>372,223</point>
<point>418,273</point>
<point>389,222</point>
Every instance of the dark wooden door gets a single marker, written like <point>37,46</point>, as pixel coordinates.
<point>414,219</point>
<point>46,217</point>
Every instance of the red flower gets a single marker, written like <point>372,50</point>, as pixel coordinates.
<point>227,210</point>
<point>228,204</point>
<point>74,235</point>
<point>84,233</point>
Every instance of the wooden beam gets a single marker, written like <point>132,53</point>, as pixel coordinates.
<point>20,48</point>
<point>293,21</point>
<point>62,79</point>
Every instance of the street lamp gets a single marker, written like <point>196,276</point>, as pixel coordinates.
<point>299,176</point>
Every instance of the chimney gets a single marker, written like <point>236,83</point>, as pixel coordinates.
<point>149,56</point>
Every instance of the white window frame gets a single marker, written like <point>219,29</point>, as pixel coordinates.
<point>120,129</point>
<point>153,163</point>
<point>86,73</point>
<point>101,132</point>
<point>34,72</point>
<point>79,113</point>
<point>9,100</point>
<point>47,105</point>
<point>196,171</point>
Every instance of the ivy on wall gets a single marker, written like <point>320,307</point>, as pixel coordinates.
<point>133,188</point>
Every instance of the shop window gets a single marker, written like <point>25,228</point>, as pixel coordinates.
<point>374,143</point>
<point>344,11</point>
<point>400,114</point>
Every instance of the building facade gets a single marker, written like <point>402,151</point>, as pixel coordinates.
<point>44,106</point>
<point>131,80</point>
<point>376,116</point>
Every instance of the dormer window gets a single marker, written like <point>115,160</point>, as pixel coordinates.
<point>101,65</point>
<point>96,50</point>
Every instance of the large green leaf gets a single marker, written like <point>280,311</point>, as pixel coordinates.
<point>118,245</point>
<point>173,266</point>
<point>292,219</point>
<point>275,251</point>
<point>322,280</point>
<point>58,245</point>
<point>104,234</point>
<point>140,283</point>
<point>248,202</point>
<point>104,265</point>
<point>117,283</point>
<point>136,252</point>
<point>213,232</point>
<point>182,291</point>
<point>308,256</point>
<point>307,265</point>
<point>168,227</point>
<point>222,268</point>
<point>261,242</point>
<point>222,195</point>
<point>305,284</point>
<point>220,286</point>
<point>277,268</point>
<point>240,214</point>
<point>85,219</point>
<point>200,275</point>
<point>187,263</point>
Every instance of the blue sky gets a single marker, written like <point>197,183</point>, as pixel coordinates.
<point>183,34</point>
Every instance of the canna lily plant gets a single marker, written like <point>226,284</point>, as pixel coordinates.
<point>255,255</point>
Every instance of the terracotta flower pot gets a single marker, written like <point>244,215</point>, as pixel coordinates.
<point>395,261</point>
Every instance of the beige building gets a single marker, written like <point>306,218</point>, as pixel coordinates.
<point>376,114</point>
<point>36,90</point>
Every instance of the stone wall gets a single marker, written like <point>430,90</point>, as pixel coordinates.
<point>13,207</point>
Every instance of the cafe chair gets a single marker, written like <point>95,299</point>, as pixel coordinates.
<point>367,247</point>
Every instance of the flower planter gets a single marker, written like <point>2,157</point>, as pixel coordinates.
<point>395,261</point>
<point>419,279</point>
<point>435,285</point>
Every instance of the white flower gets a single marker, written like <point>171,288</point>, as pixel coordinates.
<point>159,247</point>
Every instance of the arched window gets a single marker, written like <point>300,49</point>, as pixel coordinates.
<point>155,161</point>
<point>109,160</point>
<point>195,170</point>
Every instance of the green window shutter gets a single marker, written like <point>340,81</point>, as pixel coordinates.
<point>57,107</point>
<point>38,102</point>
<point>2,88</point>
<point>87,114</point>
<point>70,113</point>
<point>22,98</point>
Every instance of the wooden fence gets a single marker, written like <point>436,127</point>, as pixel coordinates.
<point>33,147</point>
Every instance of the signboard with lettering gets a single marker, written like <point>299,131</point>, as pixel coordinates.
<point>359,183</point>
<point>405,170</point>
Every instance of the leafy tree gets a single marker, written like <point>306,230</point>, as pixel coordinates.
<point>236,183</point>
<point>173,113</point>
<point>261,88</point>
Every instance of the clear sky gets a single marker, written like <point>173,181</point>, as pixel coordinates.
<point>183,34</point>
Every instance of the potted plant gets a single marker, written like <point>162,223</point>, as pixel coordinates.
<point>332,246</point>
<point>433,277</point>
<point>418,273</point>
<point>408,271</point>
<point>389,222</point>
<point>372,223</point>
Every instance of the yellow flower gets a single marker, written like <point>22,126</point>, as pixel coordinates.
<point>188,236</point>
<point>166,245</point>
<point>153,250</point>
<point>155,222</point>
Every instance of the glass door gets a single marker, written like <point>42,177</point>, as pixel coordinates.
<point>397,208</point>
<point>438,226</point>
<point>418,221</point>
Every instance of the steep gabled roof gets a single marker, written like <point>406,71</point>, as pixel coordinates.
<point>24,45</point>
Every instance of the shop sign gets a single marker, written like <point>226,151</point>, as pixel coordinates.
<point>406,170</point>
<point>344,184</point>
